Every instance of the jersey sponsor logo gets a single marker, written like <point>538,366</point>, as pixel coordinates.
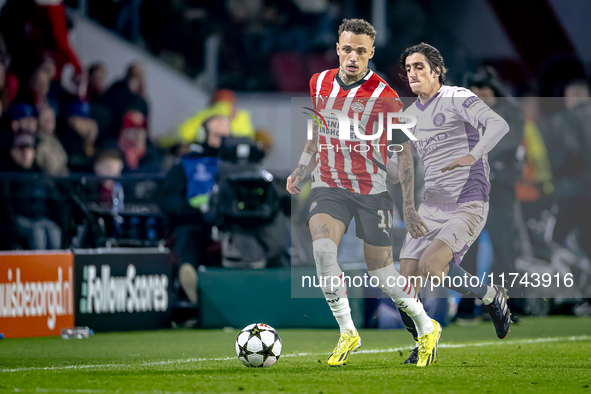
<point>469,101</point>
<point>313,206</point>
<point>340,124</point>
<point>439,119</point>
<point>427,145</point>
<point>426,141</point>
<point>358,107</point>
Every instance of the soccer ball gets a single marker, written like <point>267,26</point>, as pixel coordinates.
<point>258,345</point>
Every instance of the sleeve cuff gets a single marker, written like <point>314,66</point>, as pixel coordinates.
<point>476,154</point>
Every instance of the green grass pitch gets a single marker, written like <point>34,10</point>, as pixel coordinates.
<point>539,355</point>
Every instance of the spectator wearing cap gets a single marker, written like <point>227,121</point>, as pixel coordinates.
<point>21,153</point>
<point>51,155</point>
<point>133,138</point>
<point>23,118</point>
<point>223,102</point>
<point>139,154</point>
<point>78,132</point>
<point>27,200</point>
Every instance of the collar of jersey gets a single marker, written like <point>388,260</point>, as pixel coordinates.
<point>423,107</point>
<point>353,85</point>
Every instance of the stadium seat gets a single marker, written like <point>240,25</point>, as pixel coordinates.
<point>288,72</point>
<point>318,62</point>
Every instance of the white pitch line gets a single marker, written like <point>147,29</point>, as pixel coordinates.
<point>458,345</point>
<point>365,351</point>
<point>91,391</point>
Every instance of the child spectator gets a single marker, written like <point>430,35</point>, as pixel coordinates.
<point>108,164</point>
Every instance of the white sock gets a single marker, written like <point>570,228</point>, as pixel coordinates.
<point>342,312</point>
<point>489,296</point>
<point>404,297</point>
<point>332,283</point>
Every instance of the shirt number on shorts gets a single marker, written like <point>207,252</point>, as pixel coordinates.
<point>382,224</point>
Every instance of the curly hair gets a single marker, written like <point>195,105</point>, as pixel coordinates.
<point>357,26</point>
<point>432,55</point>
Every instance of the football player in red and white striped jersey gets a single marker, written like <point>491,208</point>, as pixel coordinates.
<point>351,164</point>
<point>349,181</point>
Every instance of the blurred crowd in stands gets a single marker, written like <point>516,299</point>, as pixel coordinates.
<point>260,42</point>
<point>251,32</point>
<point>59,118</point>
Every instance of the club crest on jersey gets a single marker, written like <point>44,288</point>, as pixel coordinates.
<point>439,120</point>
<point>313,206</point>
<point>357,107</point>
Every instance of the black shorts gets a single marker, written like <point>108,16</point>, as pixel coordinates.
<point>372,213</point>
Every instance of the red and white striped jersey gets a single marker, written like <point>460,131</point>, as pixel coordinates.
<point>354,164</point>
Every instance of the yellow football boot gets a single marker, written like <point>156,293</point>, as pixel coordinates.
<point>428,346</point>
<point>347,344</point>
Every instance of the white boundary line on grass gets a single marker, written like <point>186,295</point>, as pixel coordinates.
<point>91,391</point>
<point>365,351</point>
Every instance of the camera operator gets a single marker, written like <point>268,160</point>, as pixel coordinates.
<point>247,210</point>
<point>185,198</point>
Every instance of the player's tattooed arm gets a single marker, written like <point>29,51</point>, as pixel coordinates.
<point>406,172</point>
<point>310,146</point>
<point>299,173</point>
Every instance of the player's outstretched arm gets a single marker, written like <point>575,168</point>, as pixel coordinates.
<point>496,128</point>
<point>300,172</point>
<point>406,172</point>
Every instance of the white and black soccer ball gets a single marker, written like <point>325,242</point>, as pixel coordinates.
<point>258,345</point>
